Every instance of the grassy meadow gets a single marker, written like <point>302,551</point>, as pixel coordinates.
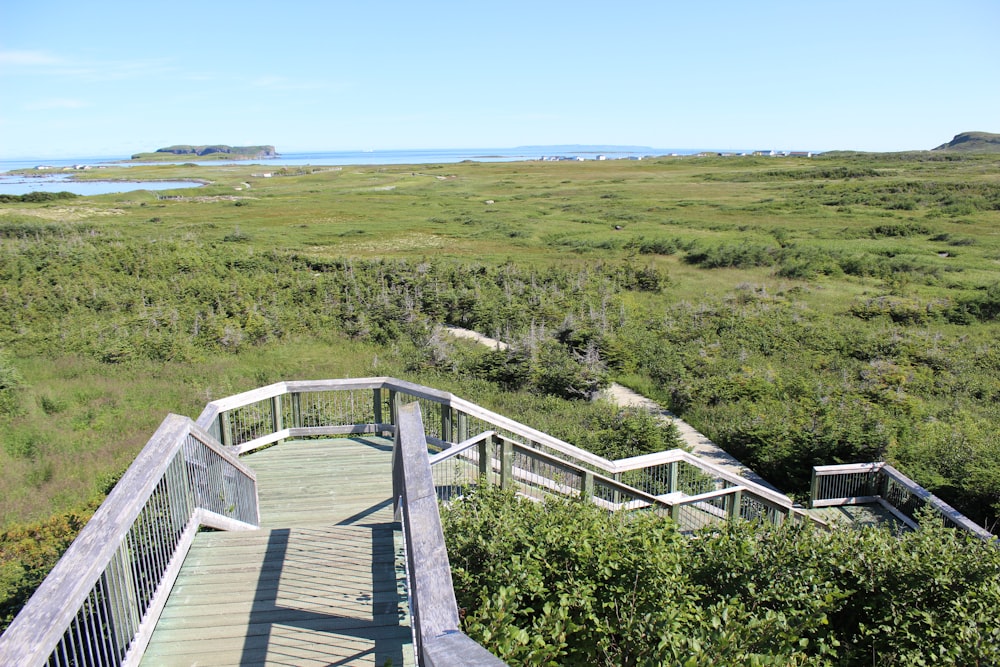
<point>797,311</point>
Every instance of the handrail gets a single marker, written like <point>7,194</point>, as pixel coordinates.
<point>102,599</point>
<point>433,610</point>
<point>461,447</point>
<point>860,483</point>
<point>275,413</point>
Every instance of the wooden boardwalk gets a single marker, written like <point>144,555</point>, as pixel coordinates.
<point>320,584</point>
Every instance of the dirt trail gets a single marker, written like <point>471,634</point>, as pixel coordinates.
<point>623,396</point>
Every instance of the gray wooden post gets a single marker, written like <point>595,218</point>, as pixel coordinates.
<point>485,454</point>
<point>587,485</point>
<point>675,512</point>
<point>377,405</point>
<point>672,470</point>
<point>224,429</point>
<point>393,406</point>
<point>735,505</point>
<point>882,484</point>
<point>446,432</point>
<point>506,463</point>
<point>296,410</point>
<point>463,427</point>
<point>813,488</point>
<point>277,418</point>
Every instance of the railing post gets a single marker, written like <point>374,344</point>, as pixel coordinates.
<point>296,410</point>
<point>813,488</point>
<point>446,431</point>
<point>277,418</point>
<point>506,463</point>
<point>485,457</point>
<point>675,513</point>
<point>587,486</point>
<point>377,404</point>
<point>735,505</point>
<point>224,429</point>
<point>672,471</point>
<point>463,427</point>
<point>393,406</point>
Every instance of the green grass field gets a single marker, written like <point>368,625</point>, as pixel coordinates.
<point>797,311</point>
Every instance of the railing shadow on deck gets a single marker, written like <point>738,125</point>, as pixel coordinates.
<point>311,632</point>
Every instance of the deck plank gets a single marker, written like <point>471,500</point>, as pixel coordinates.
<point>321,583</point>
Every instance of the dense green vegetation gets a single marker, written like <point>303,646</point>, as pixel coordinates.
<point>799,312</point>
<point>34,198</point>
<point>623,590</point>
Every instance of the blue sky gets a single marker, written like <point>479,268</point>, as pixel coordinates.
<point>93,78</point>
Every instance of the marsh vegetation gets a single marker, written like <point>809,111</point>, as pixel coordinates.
<point>797,311</point>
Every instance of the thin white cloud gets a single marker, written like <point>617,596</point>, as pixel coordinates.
<point>45,63</point>
<point>29,58</point>
<point>56,103</point>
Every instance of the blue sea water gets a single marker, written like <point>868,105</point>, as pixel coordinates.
<point>17,184</point>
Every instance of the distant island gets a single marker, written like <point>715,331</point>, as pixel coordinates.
<point>973,142</point>
<point>215,152</point>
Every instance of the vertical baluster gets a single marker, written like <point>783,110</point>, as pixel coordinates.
<point>143,562</point>
<point>103,630</point>
<point>75,646</point>
<point>121,617</point>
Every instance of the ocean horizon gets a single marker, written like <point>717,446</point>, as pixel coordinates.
<point>15,184</point>
<point>377,156</point>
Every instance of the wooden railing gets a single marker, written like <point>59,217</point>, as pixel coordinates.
<point>541,463</point>
<point>861,483</point>
<point>99,604</point>
<point>101,601</point>
<point>438,639</point>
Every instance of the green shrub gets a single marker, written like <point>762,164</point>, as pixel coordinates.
<point>28,552</point>
<point>562,582</point>
<point>11,383</point>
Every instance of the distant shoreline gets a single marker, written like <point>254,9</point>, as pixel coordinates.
<point>380,156</point>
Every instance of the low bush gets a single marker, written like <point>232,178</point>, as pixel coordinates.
<point>28,552</point>
<point>562,582</point>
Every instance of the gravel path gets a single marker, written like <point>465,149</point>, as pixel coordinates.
<point>623,396</point>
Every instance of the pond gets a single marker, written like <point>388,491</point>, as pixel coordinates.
<point>18,184</point>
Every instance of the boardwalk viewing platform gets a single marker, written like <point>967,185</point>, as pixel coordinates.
<point>298,524</point>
